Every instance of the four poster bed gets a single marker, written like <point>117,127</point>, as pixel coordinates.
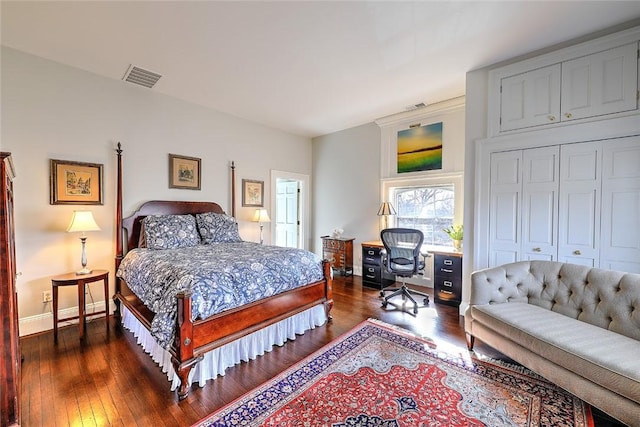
<point>232,304</point>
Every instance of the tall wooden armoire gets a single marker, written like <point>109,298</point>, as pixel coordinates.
<point>9,335</point>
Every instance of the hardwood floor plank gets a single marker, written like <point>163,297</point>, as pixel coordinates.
<point>110,380</point>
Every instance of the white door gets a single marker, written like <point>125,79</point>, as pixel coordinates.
<point>504,215</point>
<point>540,203</point>
<point>620,238</point>
<point>287,213</point>
<point>580,192</point>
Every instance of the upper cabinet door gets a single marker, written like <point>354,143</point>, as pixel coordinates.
<point>603,83</point>
<point>530,99</point>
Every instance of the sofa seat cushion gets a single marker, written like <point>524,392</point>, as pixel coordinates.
<point>602,356</point>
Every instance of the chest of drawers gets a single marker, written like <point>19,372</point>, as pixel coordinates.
<point>339,252</point>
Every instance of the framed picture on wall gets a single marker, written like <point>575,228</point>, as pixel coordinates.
<point>252,193</point>
<point>184,172</point>
<point>420,148</point>
<point>75,183</point>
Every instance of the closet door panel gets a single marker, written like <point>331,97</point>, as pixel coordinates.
<point>539,203</point>
<point>579,203</point>
<point>620,240</point>
<point>505,210</point>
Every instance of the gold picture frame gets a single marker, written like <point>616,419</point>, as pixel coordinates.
<point>184,172</point>
<point>252,193</point>
<point>75,183</point>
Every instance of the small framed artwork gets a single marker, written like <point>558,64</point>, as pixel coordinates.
<point>184,172</point>
<point>252,193</point>
<point>75,183</point>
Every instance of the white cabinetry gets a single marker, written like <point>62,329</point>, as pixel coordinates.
<point>602,83</point>
<point>576,203</point>
<point>530,99</point>
<point>524,195</point>
<point>588,86</point>
<point>580,203</point>
<point>620,236</point>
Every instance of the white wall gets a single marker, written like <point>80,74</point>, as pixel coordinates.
<point>52,111</point>
<point>346,186</point>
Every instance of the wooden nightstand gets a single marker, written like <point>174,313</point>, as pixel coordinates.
<point>339,252</point>
<point>79,280</point>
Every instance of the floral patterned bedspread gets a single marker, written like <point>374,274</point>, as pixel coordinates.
<point>221,276</point>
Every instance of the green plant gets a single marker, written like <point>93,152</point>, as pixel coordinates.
<point>455,232</point>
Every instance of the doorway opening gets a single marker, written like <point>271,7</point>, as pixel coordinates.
<point>290,209</point>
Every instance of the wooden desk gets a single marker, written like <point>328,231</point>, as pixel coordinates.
<point>79,280</point>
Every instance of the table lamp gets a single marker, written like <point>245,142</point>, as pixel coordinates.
<point>82,221</point>
<point>261,216</point>
<point>385,210</point>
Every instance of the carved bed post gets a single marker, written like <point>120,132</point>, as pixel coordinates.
<point>119,247</point>
<point>328,274</point>
<point>233,189</point>
<point>184,360</point>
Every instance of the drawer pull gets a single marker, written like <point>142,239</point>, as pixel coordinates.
<point>448,262</point>
<point>371,270</point>
<point>446,270</point>
<point>447,283</point>
<point>371,252</point>
<point>447,292</point>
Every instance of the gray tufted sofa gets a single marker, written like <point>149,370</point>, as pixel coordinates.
<point>577,326</point>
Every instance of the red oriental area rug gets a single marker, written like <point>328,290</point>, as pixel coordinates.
<point>378,375</point>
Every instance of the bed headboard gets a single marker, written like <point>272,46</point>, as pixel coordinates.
<point>132,224</point>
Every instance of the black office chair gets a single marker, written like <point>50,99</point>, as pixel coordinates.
<point>401,256</point>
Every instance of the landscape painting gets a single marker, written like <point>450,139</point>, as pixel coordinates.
<point>420,148</point>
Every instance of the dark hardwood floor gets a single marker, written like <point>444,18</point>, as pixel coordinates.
<point>109,380</point>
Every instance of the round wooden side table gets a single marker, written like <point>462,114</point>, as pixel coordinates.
<point>79,280</point>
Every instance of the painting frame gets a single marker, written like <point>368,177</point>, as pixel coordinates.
<point>252,193</point>
<point>420,148</point>
<point>185,172</point>
<point>68,183</point>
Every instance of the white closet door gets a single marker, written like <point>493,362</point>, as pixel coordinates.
<point>620,240</point>
<point>505,210</point>
<point>539,203</point>
<point>579,217</point>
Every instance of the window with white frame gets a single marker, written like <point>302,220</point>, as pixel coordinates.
<point>428,208</point>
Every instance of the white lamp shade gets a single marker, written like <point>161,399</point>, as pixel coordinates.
<point>82,221</point>
<point>261,215</point>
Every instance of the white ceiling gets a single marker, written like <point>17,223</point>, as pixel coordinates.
<point>306,67</point>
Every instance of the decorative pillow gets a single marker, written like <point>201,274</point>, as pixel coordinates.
<point>217,228</point>
<point>170,231</point>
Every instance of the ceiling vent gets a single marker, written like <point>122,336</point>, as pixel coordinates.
<point>415,106</point>
<point>141,77</point>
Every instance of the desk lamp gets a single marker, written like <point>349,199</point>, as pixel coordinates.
<point>385,210</point>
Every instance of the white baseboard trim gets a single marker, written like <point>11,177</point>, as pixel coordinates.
<point>44,322</point>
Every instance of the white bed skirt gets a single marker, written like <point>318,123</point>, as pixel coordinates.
<point>219,359</point>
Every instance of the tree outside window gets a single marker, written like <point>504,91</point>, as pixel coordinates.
<point>428,209</point>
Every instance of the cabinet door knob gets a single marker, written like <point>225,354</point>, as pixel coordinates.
<point>537,250</point>
<point>552,118</point>
<point>577,252</point>
<point>568,115</point>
